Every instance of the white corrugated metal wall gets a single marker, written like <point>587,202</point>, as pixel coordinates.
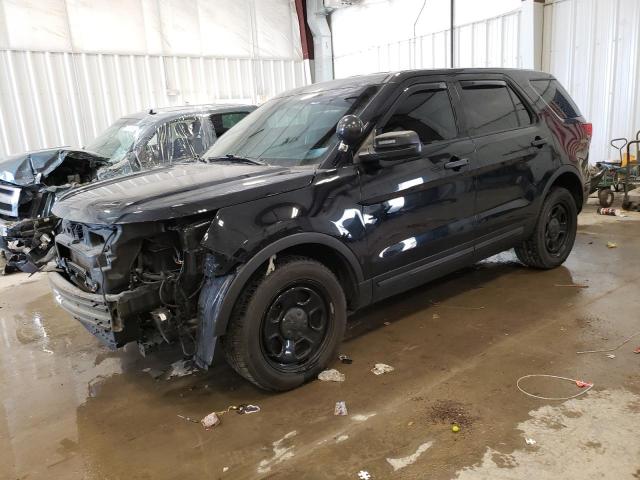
<point>63,78</point>
<point>593,48</point>
<point>493,42</point>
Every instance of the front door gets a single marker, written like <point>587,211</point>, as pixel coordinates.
<point>419,212</point>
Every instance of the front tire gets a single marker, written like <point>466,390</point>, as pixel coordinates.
<point>287,325</point>
<point>555,232</point>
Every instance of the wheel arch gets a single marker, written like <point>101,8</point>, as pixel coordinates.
<point>569,179</point>
<point>326,249</point>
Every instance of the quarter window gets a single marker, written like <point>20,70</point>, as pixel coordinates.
<point>224,121</point>
<point>493,108</point>
<point>556,97</point>
<point>428,113</point>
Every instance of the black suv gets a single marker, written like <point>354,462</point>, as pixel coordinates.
<point>324,200</point>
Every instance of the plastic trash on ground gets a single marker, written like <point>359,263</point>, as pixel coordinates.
<point>380,368</point>
<point>340,409</point>
<point>332,375</point>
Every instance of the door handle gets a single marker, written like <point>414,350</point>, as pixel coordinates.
<point>456,164</point>
<point>538,142</point>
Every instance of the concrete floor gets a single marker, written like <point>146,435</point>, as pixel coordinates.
<point>72,409</point>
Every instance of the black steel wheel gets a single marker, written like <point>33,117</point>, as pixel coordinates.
<point>295,326</point>
<point>556,229</point>
<point>287,325</point>
<point>554,235</point>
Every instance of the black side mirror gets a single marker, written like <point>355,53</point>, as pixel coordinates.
<point>393,146</point>
<point>349,131</point>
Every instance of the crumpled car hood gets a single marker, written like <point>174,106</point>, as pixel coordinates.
<point>177,191</point>
<point>27,168</point>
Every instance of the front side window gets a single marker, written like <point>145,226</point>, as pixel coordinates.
<point>184,139</point>
<point>493,107</point>
<point>294,130</point>
<point>428,113</point>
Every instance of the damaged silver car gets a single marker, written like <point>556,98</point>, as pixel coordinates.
<point>31,182</point>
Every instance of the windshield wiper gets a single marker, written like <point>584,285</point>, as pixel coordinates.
<point>232,158</point>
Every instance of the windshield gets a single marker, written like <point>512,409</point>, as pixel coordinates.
<point>291,131</point>
<point>116,140</point>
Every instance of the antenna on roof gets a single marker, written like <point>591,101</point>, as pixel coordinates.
<point>151,112</point>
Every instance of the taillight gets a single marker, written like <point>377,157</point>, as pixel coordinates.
<point>587,128</point>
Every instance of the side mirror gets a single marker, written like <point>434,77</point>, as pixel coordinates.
<point>393,146</point>
<point>349,131</point>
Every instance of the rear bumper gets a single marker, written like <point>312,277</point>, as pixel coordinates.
<point>116,322</point>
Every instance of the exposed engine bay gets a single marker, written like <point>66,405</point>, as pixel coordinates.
<point>145,279</point>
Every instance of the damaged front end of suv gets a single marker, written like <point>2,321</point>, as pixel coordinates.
<point>135,261</point>
<point>29,185</point>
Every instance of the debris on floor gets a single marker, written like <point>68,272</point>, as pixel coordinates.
<point>612,245</point>
<point>398,463</point>
<point>380,368</point>
<point>210,420</point>
<point>530,441</point>
<point>435,316</point>
<point>581,384</point>
<point>637,350</point>
<point>611,355</point>
<point>586,388</point>
<point>450,412</point>
<point>575,285</point>
<point>606,350</point>
<point>181,368</point>
<point>342,438</point>
<point>331,375</point>
<point>225,469</point>
<point>345,359</point>
<point>387,323</point>
<point>609,211</point>
<point>455,428</point>
<point>364,475</point>
<point>340,409</point>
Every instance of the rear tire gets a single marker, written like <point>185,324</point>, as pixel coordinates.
<point>287,325</point>
<point>555,232</point>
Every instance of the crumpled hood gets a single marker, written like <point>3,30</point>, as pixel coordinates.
<point>27,168</point>
<point>177,191</point>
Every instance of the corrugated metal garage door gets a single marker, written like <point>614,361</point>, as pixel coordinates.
<point>593,48</point>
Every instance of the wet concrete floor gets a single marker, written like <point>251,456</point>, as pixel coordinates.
<point>71,409</point>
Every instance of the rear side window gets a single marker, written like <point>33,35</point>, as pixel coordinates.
<point>492,107</point>
<point>224,121</point>
<point>556,97</point>
<point>428,113</point>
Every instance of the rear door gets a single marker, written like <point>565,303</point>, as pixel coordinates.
<point>419,212</point>
<point>512,153</point>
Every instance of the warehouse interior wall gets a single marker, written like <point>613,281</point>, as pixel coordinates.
<point>68,68</point>
<point>593,48</point>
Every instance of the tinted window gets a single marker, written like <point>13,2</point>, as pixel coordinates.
<point>224,121</point>
<point>556,97</point>
<point>428,113</point>
<point>493,108</point>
